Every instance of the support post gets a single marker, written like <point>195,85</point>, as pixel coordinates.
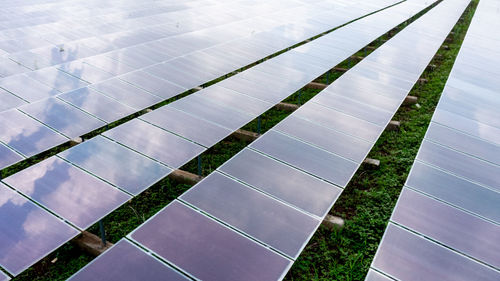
<point>103,233</point>
<point>259,121</point>
<point>199,165</point>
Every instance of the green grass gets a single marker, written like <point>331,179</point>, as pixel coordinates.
<point>366,204</point>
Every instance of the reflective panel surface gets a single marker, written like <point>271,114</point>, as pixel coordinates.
<point>306,157</point>
<point>126,93</point>
<point>27,135</point>
<point>460,164</point>
<point>187,125</point>
<point>8,100</point>
<point>155,142</point>
<point>252,212</point>
<point>152,84</point>
<point>336,142</point>
<point>466,233</point>
<point>282,181</point>
<point>125,261</point>
<point>175,231</point>
<point>456,191</point>
<point>116,164</point>
<point>339,121</point>
<point>8,156</point>
<point>97,104</point>
<point>375,276</point>
<point>28,232</point>
<point>26,88</point>
<point>406,256</point>
<point>70,192</point>
<point>63,117</point>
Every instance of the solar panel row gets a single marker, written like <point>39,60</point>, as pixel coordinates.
<point>446,223</point>
<point>64,110</point>
<point>82,198</point>
<point>207,249</point>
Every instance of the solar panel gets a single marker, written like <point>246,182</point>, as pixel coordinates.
<point>4,276</point>
<point>281,181</point>
<point>126,93</point>
<point>454,190</point>
<point>97,104</point>
<point>62,117</point>
<point>84,59</point>
<point>57,79</point>
<point>125,261</point>
<point>460,164</point>
<point>26,88</point>
<point>27,135</point>
<point>446,225</point>
<point>24,225</point>
<point>116,164</point>
<point>68,191</point>
<point>154,142</point>
<point>152,84</point>
<point>232,99</point>
<point>308,158</point>
<point>408,256</point>
<point>339,121</point>
<point>274,223</point>
<point>85,72</point>
<point>8,156</point>
<point>184,124</point>
<point>9,101</point>
<point>214,112</point>
<point>177,229</point>
<point>376,276</point>
<point>347,146</point>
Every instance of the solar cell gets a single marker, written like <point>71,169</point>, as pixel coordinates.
<point>24,225</point>
<point>4,276</point>
<point>282,181</point>
<point>467,125</point>
<point>333,141</point>
<point>125,261</point>
<point>27,135</point>
<point>127,93</point>
<point>8,156</point>
<point>26,88</point>
<point>407,256</point>
<point>253,213</point>
<point>9,101</point>
<point>116,164</point>
<point>214,112</point>
<point>97,104</point>
<point>376,276</point>
<point>86,72</point>
<point>464,232</point>
<point>463,142</point>
<point>313,160</point>
<point>454,190</point>
<point>152,84</point>
<point>460,164</point>
<point>339,121</point>
<point>57,79</point>
<point>194,128</point>
<point>155,142</point>
<point>67,119</point>
<point>68,191</point>
<point>177,229</point>
<point>232,99</point>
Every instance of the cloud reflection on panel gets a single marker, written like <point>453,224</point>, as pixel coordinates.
<point>68,191</point>
<point>27,232</point>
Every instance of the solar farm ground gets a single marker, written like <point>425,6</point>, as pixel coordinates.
<point>365,205</point>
